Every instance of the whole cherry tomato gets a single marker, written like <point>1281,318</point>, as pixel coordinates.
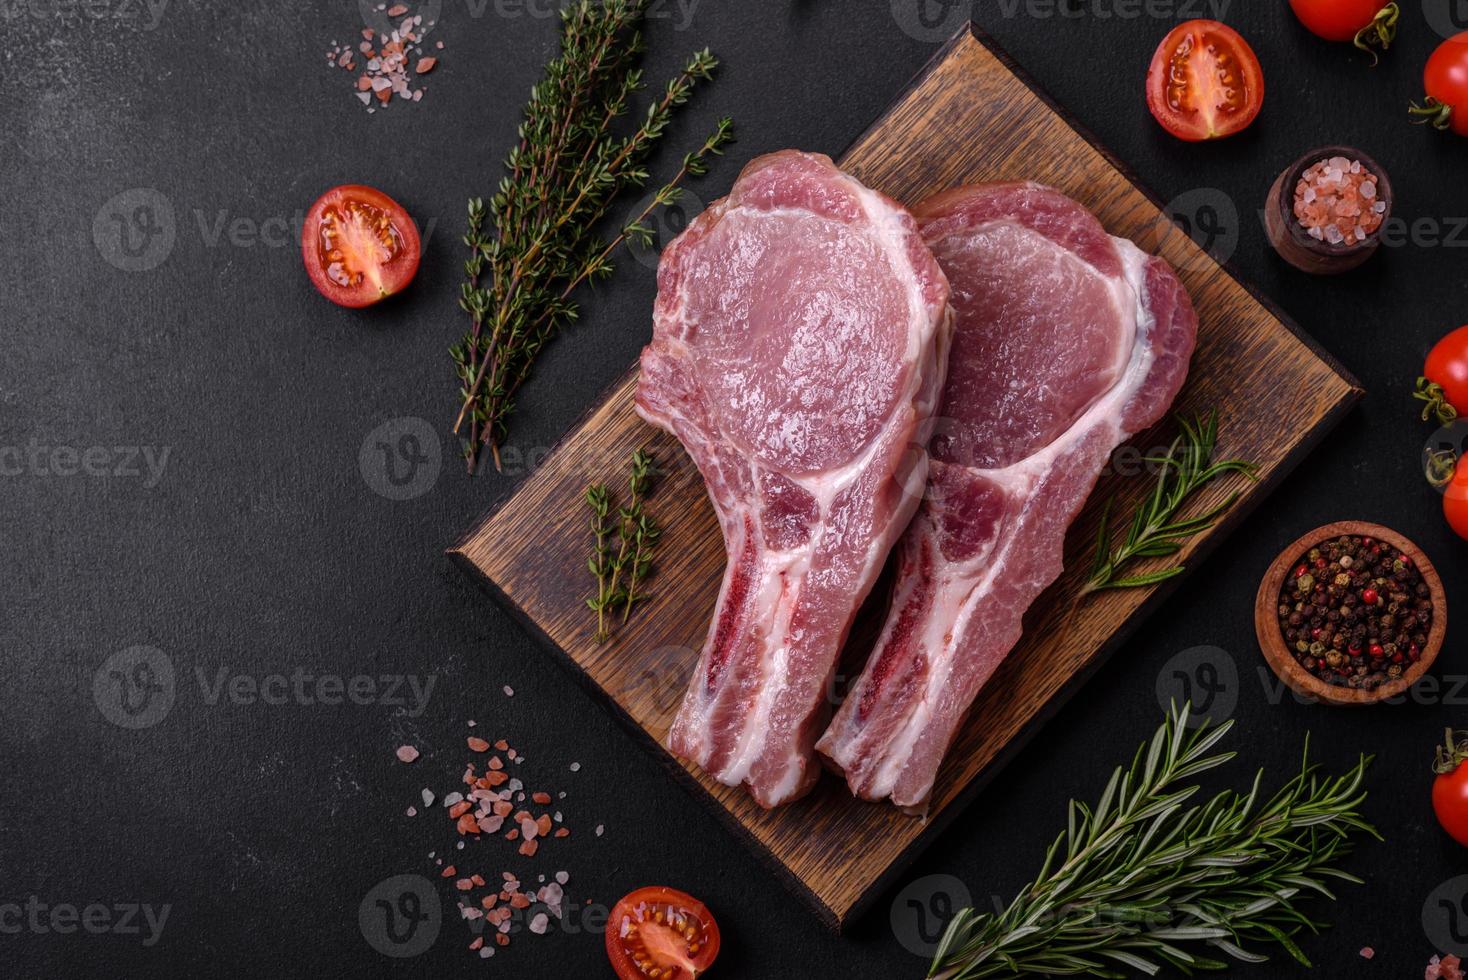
<point>1450,789</point>
<point>1455,500</point>
<point>1443,384</point>
<point>1446,81</point>
<point>1369,23</point>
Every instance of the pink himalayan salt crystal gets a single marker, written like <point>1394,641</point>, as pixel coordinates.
<point>1335,201</point>
<point>1367,953</point>
<point>406,753</point>
<point>1444,968</point>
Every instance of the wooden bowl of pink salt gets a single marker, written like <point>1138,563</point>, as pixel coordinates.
<point>1326,211</point>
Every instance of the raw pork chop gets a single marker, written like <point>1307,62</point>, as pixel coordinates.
<point>1068,341</point>
<point>799,344</point>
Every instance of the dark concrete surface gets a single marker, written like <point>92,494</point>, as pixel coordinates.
<point>188,435</point>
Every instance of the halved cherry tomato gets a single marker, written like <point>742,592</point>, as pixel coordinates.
<point>359,245</point>
<point>659,933</point>
<point>1446,80</point>
<point>1205,82</point>
<point>1367,22</point>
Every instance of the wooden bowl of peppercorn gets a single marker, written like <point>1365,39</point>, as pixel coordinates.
<point>1351,614</point>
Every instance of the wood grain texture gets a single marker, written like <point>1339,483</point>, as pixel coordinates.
<point>968,117</point>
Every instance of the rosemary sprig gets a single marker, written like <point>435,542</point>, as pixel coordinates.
<point>618,575</point>
<point>562,179</point>
<point>1139,878</point>
<point>1156,531</point>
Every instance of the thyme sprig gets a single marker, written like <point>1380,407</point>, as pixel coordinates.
<point>619,572</point>
<point>600,562</point>
<point>562,178</point>
<point>1156,530</point>
<point>639,533</point>
<point>1140,880</point>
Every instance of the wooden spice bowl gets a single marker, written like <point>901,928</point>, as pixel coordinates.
<point>1272,642</point>
<point>1290,239</point>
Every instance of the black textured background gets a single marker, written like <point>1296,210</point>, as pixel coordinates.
<point>262,549</point>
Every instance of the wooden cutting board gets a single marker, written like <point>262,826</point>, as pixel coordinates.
<point>970,116</point>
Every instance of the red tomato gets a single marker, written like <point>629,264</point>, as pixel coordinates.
<point>1447,368</point>
<point>1450,789</point>
<point>1366,22</point>
<point>1446,80</point>
<point>1455,500</point>
<point>664,930</point>
<point>359,245</point>
<point>1205,82</point>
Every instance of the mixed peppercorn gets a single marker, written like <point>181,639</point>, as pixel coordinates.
<point>1355,612</point>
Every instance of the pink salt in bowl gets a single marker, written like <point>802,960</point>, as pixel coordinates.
<point>1329,251</point>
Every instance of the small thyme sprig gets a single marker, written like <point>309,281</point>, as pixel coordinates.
<point>600,562</point>
<point>638,531</point>
<point>1156,531</point>
<point>1138,878</point>
<point>619,574</point>
<point>563,177</point>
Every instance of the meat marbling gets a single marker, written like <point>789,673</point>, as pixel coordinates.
<point>799,344</point>
<point>1067,342</point>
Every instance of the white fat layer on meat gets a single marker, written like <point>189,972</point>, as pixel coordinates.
<point>967,586</point>
<point>782,574</point>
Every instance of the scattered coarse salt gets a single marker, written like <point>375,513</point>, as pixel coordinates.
<point>600,829</point>
<point>392,61</point>
<point>406,753</point>
<point>1444,968</point>
<point>509,691</point>
<point>575,767</point>
<point>1367,953</point>
<point>494,806</point>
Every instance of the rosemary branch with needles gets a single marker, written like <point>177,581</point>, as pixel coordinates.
<point>534,242</point>
<point>619,572</point>
<point>1141,880</point>
<point>1156,530</point>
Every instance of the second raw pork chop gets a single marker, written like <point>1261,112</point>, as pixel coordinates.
<point>799,343</point>
<point>1068,341</point>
